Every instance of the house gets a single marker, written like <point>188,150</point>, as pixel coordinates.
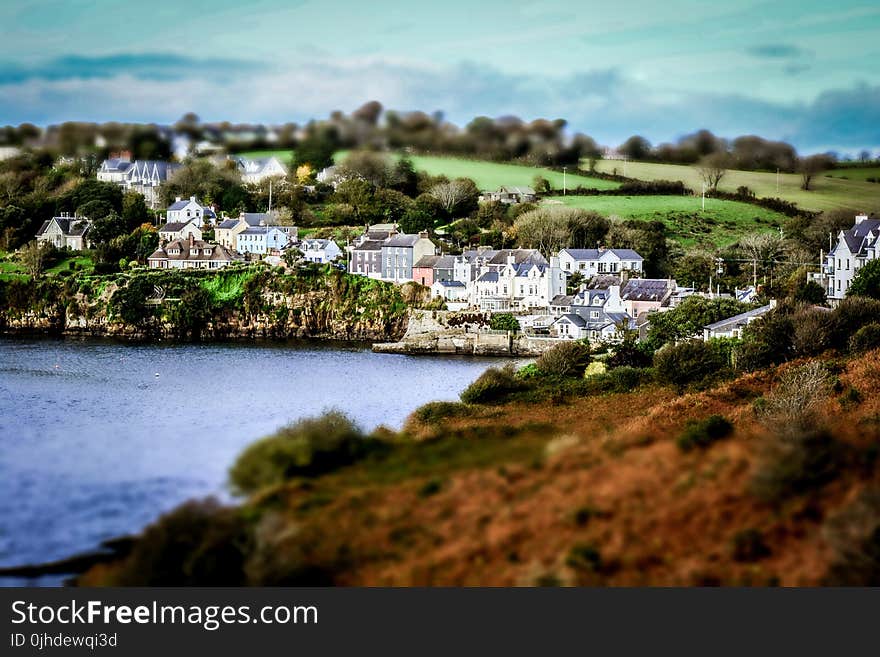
<point>226,232</point>
<point>647,294</point>
<point>732,327</point>
<point>511,195</point>
<point>516,286</point>
<point>179,230</point>
<point>401,252</point>
<point>595,315</point>
<point>365,258</point>
<point>854,249</point>
<point>261,240</point>
<point>454,293</point>
<point>191,254</point>
<point>182,211</point>
<point>434,268</point>
<point>321,251</point>
<point>65,232</point>
<point>590,262</point>
<point>328,176</point>
<point>142,176</point>
<point>255,171</point>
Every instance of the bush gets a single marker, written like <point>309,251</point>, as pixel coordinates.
<point>197,544</point>
<point>685,363</point>
<point>703,433</point>
<point>584,557</point>
<point>866,338</point>
<point>306,448</point>
<point>850,315</point>
<point>854,536</point>
<point>565,359</point>
<point>749,545</point>
<point>504,322</point>
<point>493,386</point>
<point>794,403</point>
<point>433,412</point>
<point>797,464</point>
<point>629,353</point>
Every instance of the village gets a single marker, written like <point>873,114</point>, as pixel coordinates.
<point>598,295</point>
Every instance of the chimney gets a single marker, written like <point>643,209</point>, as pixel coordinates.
<point>177,199</point>
<point>860,218</point>
<point>772,303</point>
<point>511,259</point>
<point>191,240</point>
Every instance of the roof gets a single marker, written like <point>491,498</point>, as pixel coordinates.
<point>602,282</point>
<point>259,230</point>
<point>561,300</point>
<point>519,256</point>
<point>116,164</point>
<point>513,189</point>
<point>71,226</point>
<point>450,283</point>
<point>193,251</point>
<point>741,319</point>
<point>173,226</point>
<point>369,245</point>
<point>646,289</point>
<point>403,240</point>
<point>445,262</point>
<point>427,261</point>
<point>488,277</point>
<point>595,254</point>
<point>257,218</point>
<point>855,236</point>
<point>577,320</point>
<point>228,223</point>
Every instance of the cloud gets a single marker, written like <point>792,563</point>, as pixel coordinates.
<point>777,51</point>
<point>150,66</point>
<point>604,102</point>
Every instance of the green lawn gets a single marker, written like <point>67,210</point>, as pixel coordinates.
<point>84,262</point>
<point>492,175</point>
<point>855,173</point>
<point>828,193</point>
<point>284,155</point>
<point>722,223</point>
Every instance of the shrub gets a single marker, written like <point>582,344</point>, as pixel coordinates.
<point>584,557</point>
<point>766,341</point>
<point>795,464</point>
<point>431,487</point>
<point>493,386</point>
<point>504,322</point>
<point>565,359</point>
<point>306,448</point>
<point>433,412</point>
<point>850,315</point>
<point>629,353</point>
<point>854,536</point>
<point>812,332</point>
<point>749,545</point>
<point>198,544</point>
<point>690,362</point>
<point>703,433</point>
<point>866,338</point>
<point>624,379</point>
<point>793,404</point>
<point>866,282</point>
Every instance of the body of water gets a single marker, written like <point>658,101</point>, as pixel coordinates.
<point>98,438</point>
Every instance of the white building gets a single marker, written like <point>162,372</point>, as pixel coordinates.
<point>191,254</point>
<point>182,211</point>
<point>142,176</point>
<point>65,232</point>
<point>854,249</point>
<point>261,239</point>
<point>454,293</point>
<point>319,250</point>
<point>179,231</point>
<point>590,262</point>
<point>517,287</point>
<point>257,170</point>
<point>732,327</point>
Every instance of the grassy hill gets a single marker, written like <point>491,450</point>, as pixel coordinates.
<point>284,155</point>
<point>565,490</point>
<point>855,173</point>
<point>722,223</point>
<point>829,193</point>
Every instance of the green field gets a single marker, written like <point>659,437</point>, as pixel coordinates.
<point>855,173</point>
<point>827,193</point>
<point>722,223</point>
<point>284,155</point>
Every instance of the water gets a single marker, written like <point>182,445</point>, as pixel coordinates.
<point>98,438</point>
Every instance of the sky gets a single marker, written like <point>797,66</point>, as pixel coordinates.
<point>803,71</point>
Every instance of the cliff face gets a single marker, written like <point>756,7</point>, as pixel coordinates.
<point>243,302</point>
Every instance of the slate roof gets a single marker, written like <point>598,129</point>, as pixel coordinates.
<point>595,254</point>
<point>194,251</point>
<point>228,223</point>
<point>70,226</point>
<point>427,261</point>
<point>369,245</point>
<point>519,256</point>
<point>402,241</point>
<point>488,277</point>
<point>855,237</point>
<point>173,227</point>
<point>645,289</point>
<point>116,164</point>
<point>741,319</point>
<point>561,300</point>
<point>577,320</point>
<point>450,283</point>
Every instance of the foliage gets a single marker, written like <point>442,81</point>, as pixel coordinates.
<point>691,362</point>
<point>492,386</point>
<point>688,318</point>
<point>749,546</point>
<point>794,404</point>
<point>866,338</point>
<point>703,433</point>
<point>629,353</point>
<point>504,322</point>
<point>866,282</point>
<point>854,536</point>
<point>566,359</point>
<point>306,448</point>
<point>434,412</point>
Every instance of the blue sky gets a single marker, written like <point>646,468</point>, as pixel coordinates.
<point>803,71</point>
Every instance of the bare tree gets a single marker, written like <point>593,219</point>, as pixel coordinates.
<point>545,228</point>
<point>454,194</point>
<point>33,257</point>
<point>810,167</point>
<point>712,168</point>
<point>794,404</point>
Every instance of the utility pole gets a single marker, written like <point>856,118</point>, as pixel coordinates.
<point>704,197</point>
<point>270,198</point>
<point>777,180</point>
<point>563,181</point>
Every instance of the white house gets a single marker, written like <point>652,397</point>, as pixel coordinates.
<point>261,239</point>
<point>732,327</point>
<point>590,262</point>
<point>65,232</point>
<point>517,287</point>
<point>319,250</point>
<point>594,314</point>
<point>179,231</point>
<point>510,194</point>
<point>254,171</point>
<point>182,211</point>
<point>854,249</point>
<point>454,293</point>
<point>142,176</point>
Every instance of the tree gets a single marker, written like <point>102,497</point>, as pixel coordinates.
<point>810,167</point>
<point>545,228</point>
<point>688,319</point>
<point>365,165</point>
<point>504,322</point>
<point>134,211</point>
<point>317,149</point>
<point>457,197</point>
<point>34,256</point>
<point>541,184</point>
<point>867,281</point>
<point>422,214</point>
<point>636,148</point>
<point>712,168</point>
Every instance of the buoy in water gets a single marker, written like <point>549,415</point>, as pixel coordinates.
<point>157,374</point>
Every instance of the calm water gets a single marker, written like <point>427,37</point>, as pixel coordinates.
<point>93,444</point>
